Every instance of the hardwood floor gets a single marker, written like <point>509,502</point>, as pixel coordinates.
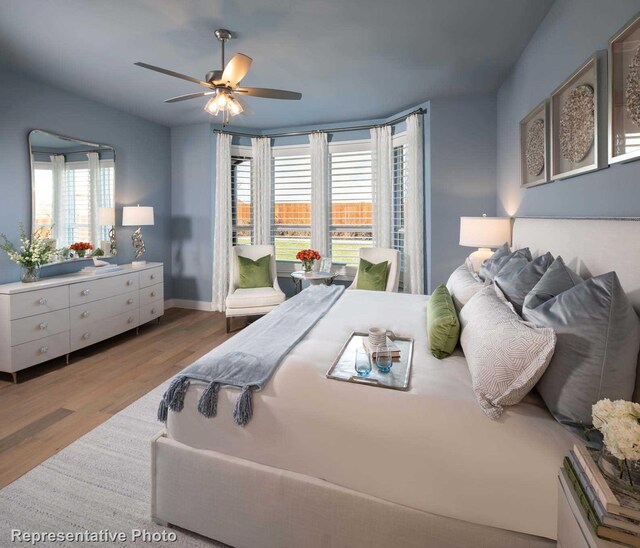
<point>54,404</point>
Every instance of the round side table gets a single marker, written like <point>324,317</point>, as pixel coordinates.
<point>299,276</point>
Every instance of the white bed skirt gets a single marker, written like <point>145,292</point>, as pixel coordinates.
<point>249,505</point>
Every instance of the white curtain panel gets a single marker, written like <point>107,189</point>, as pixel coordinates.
<point>414,207</point>
<point>319,193</point>
<point>261,178</point>
<point>59,232</point>
<point>94,197</point>
<point>222,229</point>
<point>382,175</point>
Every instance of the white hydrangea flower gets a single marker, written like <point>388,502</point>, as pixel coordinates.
<point>619,422</point>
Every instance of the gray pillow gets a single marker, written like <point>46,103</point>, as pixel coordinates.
<point>488,266</point>
<point>519,276</point>
<point>558,278</point>
<point>598,339</point>
<point>492,266</point>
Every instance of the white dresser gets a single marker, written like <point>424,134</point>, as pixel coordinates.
<point>57,315</point>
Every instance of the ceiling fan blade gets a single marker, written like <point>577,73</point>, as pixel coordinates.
<point>174,74</point>
<point>236,69</point>
<point>189,96</point>
<point>269,93</point>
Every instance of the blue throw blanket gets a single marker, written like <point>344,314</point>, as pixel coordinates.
<point>248,360</point>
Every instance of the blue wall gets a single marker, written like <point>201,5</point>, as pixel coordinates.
<point>143,162</point>
<point>571,32</point>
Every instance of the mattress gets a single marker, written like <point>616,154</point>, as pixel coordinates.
<point>430,448</point>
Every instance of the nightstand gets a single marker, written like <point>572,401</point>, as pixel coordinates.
<point>574,530</point>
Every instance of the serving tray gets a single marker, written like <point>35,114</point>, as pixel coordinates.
<point>343,368</point>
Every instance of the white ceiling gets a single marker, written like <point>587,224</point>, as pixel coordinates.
<point>351,59</point>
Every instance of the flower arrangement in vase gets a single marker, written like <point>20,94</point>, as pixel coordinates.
<point>81,248</point>
<point>307,257</point>
<point>32,254</point>
<point>619,423</point>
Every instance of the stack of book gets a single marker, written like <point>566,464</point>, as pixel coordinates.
<point>393,348</point>
<point>614,514</point>
<point>101,269</point>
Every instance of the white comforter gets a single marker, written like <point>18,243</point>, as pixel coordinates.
<point>430,448</point>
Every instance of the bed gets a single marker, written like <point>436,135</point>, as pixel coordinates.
<point>325,463</point>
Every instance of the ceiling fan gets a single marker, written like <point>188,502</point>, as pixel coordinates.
<point>223,84</point>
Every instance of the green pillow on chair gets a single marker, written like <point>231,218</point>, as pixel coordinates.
<point>443,327</point>
<point>372,276</point>
<point>254,273</point>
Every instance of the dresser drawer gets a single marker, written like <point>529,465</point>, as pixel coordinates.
<point>40,301</point>
<point>86,335</point>
<point>94,290</point>
<point>31,353</point>
<point>151,311</point>
<point>152,276</point>
<point>86,314</point>
<point>39,327</point>
<point>151,294</point>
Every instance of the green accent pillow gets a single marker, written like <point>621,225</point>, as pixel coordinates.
<point>255,273</point>
<point>443,327</point>
<point>372,276</point>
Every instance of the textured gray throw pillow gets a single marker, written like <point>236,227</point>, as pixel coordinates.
<point>487,268</point>
<point>558,278</point>
<point>519,276</point>
<point>596,354</point>
<point>493,265</point>
<point>506,355</point>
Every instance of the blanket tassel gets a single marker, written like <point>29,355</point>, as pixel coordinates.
<point>208,402</point>
<point>173,398</point>
<point>243,410</point>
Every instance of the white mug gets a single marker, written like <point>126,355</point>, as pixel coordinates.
<point>377,336</point>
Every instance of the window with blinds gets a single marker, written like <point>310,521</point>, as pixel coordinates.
<point>351,205</point>
<point>291,227</point>
<point>43,198</point>
<point>241,202</point>
<point>399,196</point>
<point>77,202</point>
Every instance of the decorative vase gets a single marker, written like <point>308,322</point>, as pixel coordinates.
<point>81,253</point>
<point>30,274</point>
<point>624,473</point>
<point>307,266</point>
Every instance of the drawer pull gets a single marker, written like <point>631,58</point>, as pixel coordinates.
<point>85,292</point>
<point>153,293</point>
<point>130,301</point>
<point>43,325</point>
<point>153,311</point>
<point>85,336</point>
<point>153,276</point>
<point>86,314</point>
<point>130,320</point>
<point>129,282</point>
<point>44,349</point>
<point>43,301</point>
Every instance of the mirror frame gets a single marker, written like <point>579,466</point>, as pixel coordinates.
<point>32,163</point>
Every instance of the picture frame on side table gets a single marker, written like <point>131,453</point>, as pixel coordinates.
<point>577,145</point>
<point>534,147</point>
<point>624,93</point>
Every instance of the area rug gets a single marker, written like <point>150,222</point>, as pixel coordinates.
<point>99,484</point>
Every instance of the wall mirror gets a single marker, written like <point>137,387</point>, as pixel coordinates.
<point>73,184</point>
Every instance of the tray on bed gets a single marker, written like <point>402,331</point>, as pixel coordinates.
<point>343,369</point>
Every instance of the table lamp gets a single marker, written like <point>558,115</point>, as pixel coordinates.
<point>107,217</point>
<point>484,233</point>
<point>137,216</point>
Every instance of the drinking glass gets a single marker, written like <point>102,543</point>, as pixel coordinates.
<point>384,359</point>
<point>363,363</point>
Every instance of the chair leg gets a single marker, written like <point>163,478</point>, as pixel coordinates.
<point>15,377</point>
<point>228,324</point>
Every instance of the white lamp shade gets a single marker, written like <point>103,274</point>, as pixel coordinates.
<point>107,216</point>
<point>485,231</point>
<point>137,216</point>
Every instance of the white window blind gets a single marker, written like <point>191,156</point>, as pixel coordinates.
<point>107,190</point>
<point>291,227</point>
<point>351,205</point>
<point>241,203</point>
<point>399,196</point>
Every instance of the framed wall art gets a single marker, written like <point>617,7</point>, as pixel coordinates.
<point>577,145</point>
<point>624,93</point>
<point>534,147</point>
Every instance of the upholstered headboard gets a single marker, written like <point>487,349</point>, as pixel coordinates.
<point>590,246</point>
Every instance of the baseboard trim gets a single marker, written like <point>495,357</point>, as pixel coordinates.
<point>191,305</point>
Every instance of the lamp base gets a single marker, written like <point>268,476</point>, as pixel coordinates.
<point>138,264</point>
<point>479,256</point>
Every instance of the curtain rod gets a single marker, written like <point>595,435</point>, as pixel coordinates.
<point>335,130</point>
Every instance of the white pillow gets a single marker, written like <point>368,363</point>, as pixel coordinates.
<point>506,355</point>
<point>463,284</point>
